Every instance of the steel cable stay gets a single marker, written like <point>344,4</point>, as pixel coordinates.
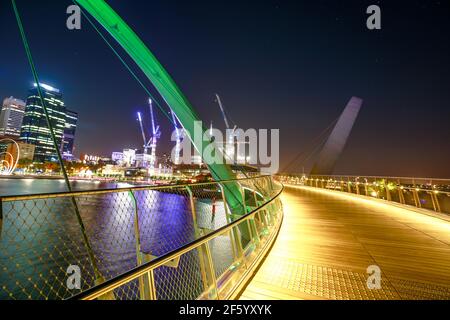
<point>92,258</point>
<point>256,232</point>
<point>315,143</point>
<point>126,65</point>
<point>168,88</point>
<point>130,70</point>
<point>99,277</point>
<point>140,82</point>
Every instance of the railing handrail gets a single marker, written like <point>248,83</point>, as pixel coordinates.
<point>114,283</point>
<point>62,194</point>
<point>362,176</point>
<point>406,187</point>
<point>409,192</point>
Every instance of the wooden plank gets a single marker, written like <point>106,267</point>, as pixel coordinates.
<point>327,241</point>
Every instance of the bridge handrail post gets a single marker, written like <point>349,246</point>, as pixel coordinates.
<point>204,254</point>
<point>253,235</point>
<point>147,288</point>
<point>261,214</point>
<point>349,185</point>
<point>234,235</point>
<point>416,198</point>
<point>366,189</point>
<point>401,195</point>
<point>388,192</point>
<point>434,194</point>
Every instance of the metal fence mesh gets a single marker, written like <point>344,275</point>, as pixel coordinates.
<point>39,240</point>
<point>41,237</point>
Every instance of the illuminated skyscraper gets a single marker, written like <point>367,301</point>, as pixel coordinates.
<point>11,117</point>
<point>69,132</point>
<point>34,126</point>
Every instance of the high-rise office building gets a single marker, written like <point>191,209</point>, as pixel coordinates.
<point>35,129</point>
<point>11,117</point>
<point>69,133</point>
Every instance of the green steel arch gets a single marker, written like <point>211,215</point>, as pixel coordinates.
<point>165,85</point>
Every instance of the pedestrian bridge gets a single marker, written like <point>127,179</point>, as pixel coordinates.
<point>329,239</point>
<point>294,238</point>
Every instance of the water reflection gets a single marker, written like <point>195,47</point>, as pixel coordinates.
<point>41,238</point>
<point>9,187</point>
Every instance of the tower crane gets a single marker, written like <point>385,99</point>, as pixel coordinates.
<point>153,141</point>
<point>229,145</point>
<point>179,136</point>
<point>156,134</point>
<point>146,144</point>
<point>223,111</point>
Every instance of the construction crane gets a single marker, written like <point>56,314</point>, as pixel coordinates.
<point>146,144</point>
<point>179,136</point>
<point>144,137</point>
<point>223,111</point>
<point>229,145</point>
<point>156,134</point>
<point>153,141</point>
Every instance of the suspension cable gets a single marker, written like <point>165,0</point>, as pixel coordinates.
<point>135,76</point>
<point>52,134</point>
<point>316,143</point>
<point>126,65</point>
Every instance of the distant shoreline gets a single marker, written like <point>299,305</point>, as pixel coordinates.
<point>32,177</point>
<point>74,179</point>
<point>52,178</point>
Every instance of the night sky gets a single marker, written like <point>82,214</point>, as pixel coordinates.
<point>291,65</point>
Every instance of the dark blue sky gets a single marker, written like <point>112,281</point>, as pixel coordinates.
<point>291,65</point>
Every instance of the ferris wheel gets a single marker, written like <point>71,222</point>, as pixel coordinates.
<point>9,160</point>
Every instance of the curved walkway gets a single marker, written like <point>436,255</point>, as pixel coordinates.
<point>329,239</point>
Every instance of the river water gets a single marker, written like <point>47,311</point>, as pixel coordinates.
<point>10,187</point>
<point>40,239</point>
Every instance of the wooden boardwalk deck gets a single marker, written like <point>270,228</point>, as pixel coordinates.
<point>328,240</point>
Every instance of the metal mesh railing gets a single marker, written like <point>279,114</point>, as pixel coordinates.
<point>45,249</point>
<point>422,193</point>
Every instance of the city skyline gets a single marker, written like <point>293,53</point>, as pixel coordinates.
<point>224,150</point>
<point>405,97</point>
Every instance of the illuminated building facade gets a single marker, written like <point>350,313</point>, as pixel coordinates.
<point>90,159</point>
<point>129,157</point>
<point>117,157</point>
<point>69,132</point>
<point>142,159</point>
<point>34,126</point>
<point>11,117</point>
